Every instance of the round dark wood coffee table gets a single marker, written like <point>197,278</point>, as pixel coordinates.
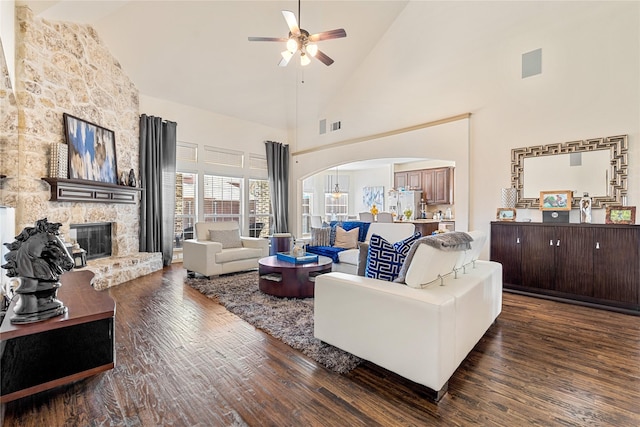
<point>286,279</point>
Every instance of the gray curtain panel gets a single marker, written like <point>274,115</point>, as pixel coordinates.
<point>278,169</point>
<point>158,180</point>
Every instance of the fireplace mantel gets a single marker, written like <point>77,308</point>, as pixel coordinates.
<point>80,190</point>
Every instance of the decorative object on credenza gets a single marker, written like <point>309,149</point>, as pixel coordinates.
<point>92,151</point>
<point>133,182</point>
<point>509,197</point>
<point>37,257</point>
<point>124,178</point>
<point>59,160</point>
<point>506,214</point>
<point>556,200</point>
<point>585,209</point>
<point>621,215</point>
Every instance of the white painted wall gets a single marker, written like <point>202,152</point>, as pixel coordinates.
<point>589,87</point>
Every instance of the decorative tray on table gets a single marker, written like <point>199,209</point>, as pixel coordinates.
<point>304,259</point>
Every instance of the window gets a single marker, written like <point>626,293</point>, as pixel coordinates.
<point>186,208</point>
<point>336,208</point>
<point>260,215</point>
<point>307,202</point>
<point>222,199</point>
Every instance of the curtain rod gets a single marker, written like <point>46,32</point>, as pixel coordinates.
<point>383,134</point>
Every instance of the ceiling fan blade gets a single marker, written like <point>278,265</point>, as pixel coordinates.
<point>267,39</point>
<point>286,57</point>
<point>292,22</point>
<point>322,57</point>
<point>283,62</point>
<point>327,35</point>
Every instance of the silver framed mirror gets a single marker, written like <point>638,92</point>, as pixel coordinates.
<point>595,166</point>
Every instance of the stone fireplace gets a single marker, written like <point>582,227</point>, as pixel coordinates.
<point>94,238</point>
<point>66,68</point>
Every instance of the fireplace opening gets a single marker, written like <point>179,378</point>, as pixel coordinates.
<point>95,238</point>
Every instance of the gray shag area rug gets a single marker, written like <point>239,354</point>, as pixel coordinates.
<point>288,319</point>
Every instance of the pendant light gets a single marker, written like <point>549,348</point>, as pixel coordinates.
<point>336,188</point>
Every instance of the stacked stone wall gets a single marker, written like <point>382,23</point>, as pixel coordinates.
<point>62,68</point>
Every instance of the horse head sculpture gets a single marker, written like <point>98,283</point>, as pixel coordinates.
<point>37,257</point>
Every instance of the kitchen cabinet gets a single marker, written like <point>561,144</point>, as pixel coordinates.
<point>589,264</point>
<point>400,180</point>
<point>414,180</point>
<point>437,185</point>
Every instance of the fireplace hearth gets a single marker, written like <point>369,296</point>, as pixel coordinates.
<point>95,238</point>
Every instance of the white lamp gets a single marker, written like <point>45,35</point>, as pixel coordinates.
<point>312,49</point>
<point>292,45</point>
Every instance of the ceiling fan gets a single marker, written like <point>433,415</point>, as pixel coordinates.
<point>300,40</point>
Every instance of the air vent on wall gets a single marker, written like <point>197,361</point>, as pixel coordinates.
<point>335,126</point>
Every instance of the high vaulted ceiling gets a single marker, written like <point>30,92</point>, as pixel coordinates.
<point>197,53</point>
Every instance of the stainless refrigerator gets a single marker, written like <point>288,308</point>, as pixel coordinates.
<point>399,201</point>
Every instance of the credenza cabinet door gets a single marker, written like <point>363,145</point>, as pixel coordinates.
<point>616,265</point>
<point>574,260</point>
<point>538,257</point>
<point>505,249</point>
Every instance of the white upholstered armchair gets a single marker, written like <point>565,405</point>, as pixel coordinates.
<point>219,249</point>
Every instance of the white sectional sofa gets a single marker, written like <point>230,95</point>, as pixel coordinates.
<point>423,332</point>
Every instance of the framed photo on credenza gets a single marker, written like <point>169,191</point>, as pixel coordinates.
<point>556,200</point>
<point>506,214</point>
<point>621,215</point>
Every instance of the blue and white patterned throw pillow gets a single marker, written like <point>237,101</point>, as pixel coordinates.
<point>384,259</point>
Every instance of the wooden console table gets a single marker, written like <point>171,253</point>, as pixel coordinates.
<point>39,356</point>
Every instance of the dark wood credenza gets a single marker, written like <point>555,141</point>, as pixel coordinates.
<point>596,265</point>
<point>42,355</point>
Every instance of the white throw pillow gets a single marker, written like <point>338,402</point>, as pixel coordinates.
<point>346,239</point>
<point>228,238</point>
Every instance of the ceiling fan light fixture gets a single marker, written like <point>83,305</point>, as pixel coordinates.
<point>304,59</point>
<point>292,45</point>
<point>312,49</point>
<point>286,55</point>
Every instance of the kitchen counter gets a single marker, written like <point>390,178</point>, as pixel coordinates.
<point>428,226</point>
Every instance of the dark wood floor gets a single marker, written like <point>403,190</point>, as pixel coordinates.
<point>183,360</point>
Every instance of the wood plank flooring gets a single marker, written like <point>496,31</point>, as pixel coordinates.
<point>184,360</point>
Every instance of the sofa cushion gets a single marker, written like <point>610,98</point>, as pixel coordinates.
<point>346,239</point>
<point>228,238</point>
<point>433,257</point>
<point>384,260</point>
<point>363,229</point>
<point>429,264</point>
<point>479,240</point>
<point>350,256</point>
<point>238,254</point>
<point>320,236</point>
